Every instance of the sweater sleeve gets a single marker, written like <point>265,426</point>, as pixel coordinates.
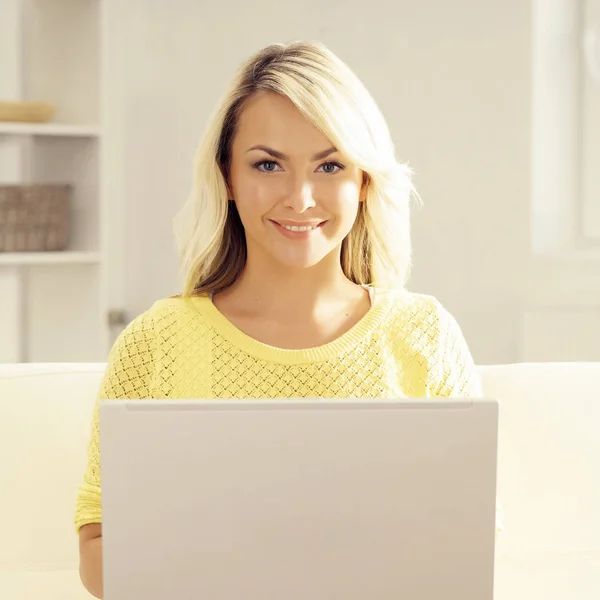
<point>452,372</point>
<point>128,375</point>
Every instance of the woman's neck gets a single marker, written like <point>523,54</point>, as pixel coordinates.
<point>284,293</point>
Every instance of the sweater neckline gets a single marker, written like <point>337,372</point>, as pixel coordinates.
<point>380,304</point>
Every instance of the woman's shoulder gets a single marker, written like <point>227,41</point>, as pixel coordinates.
<point>420,316</point>
<point>426,327</point>
<point>167,313</point>
<point>179,312</point>
<point>178,305</point>
<point>411,306</point>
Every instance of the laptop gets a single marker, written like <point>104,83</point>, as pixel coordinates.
<point>298,499</point>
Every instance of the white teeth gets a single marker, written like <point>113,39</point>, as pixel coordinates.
<point>299,227</point>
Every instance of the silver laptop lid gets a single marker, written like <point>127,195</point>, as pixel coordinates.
<point>299,499</point>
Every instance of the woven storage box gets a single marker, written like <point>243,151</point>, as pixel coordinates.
<point>35,218</point>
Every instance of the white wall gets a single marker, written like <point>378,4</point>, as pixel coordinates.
<point>460,114</point>
<point>453,80</point>
<point>590,106</point>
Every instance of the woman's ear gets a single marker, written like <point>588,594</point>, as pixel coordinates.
<point>364,187</point>
<point>229,193</point>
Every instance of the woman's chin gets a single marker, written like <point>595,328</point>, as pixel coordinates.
<point>297,260</point>
<point>292,255</point>
<point>297,264</point>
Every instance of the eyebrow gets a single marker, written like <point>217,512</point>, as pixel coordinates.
<point>276,154</point>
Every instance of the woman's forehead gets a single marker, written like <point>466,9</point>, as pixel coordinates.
<point>271,119</point>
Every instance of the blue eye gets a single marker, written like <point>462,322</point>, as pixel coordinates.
<point>336,167</point>
<point>270,166</point>
<point>265,163</point>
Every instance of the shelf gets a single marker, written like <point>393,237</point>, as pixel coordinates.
<point>50,130</point>
<point>53,51</point>
<point>48,258</point>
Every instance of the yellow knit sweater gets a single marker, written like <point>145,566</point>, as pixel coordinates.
<point>407,345</point>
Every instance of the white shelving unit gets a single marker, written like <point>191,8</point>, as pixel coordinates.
<point>49,130</point>
<point>21,259</point>
<point>53,305</point>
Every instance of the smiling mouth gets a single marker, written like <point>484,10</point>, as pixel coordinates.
<point>299,228</point>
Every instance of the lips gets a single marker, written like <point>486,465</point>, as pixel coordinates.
<point>297,230</point>
<point>298,226</point>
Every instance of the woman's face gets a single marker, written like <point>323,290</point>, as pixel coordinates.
<point>297,197</point>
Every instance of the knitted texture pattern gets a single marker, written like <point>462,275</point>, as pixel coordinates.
<point>407,345</point>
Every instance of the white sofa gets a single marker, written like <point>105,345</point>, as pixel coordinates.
<point>549,478</point>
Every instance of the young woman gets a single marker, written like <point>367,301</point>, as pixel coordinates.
<point>295,248</point>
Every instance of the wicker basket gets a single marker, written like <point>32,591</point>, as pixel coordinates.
<point>35,218</point>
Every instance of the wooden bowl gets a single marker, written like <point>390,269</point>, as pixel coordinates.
<point>26,112</point>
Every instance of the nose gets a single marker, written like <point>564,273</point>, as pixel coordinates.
<point>300,196</point>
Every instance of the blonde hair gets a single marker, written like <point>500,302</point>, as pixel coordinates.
<point>209,232</point>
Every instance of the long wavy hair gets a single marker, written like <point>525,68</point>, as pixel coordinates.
<point>210,236</point>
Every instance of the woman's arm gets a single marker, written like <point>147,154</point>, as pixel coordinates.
<point>128,375</point>
<point>90,558</point>
<point>452,371</point>
<point>454,374</point>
